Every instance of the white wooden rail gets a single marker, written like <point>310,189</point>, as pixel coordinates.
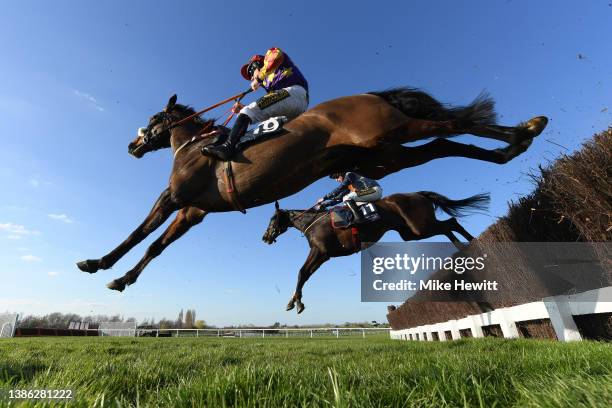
<point>336,332</point>
<point>559,309</point>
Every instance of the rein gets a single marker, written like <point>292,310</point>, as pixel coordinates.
<point>237,97</point>
<point>314,222</point>
<point>317,219</point>
<point>305,211</point>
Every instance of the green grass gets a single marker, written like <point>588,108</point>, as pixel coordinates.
<point>312,372</point>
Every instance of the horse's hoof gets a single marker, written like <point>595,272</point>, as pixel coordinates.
<point>300,307</point>
<point>89,266</point>
<point>508,153</point>
<point>116,285</point>
<point>536,125</point>
<point>290,306</point>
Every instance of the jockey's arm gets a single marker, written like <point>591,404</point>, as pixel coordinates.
<point>339,191</point>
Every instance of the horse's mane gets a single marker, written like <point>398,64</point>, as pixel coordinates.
<point>186,110</point>
<point>307,217</point>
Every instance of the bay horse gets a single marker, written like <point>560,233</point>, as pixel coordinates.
<point>363,133</point>
<point>412,215</point>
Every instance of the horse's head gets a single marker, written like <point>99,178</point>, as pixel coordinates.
<point>157,133</point>
<point>279,223</point>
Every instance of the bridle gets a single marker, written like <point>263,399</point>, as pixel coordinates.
<point>149,138</point>
<point>277,230</point>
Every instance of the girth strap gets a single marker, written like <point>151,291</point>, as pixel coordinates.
<point>231,188</point>
<point>356,238</point>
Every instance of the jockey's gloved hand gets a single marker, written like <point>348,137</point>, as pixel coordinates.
<point>237,107</point>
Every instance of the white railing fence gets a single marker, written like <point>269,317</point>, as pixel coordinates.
<point>558,309</point>
<point>315,332</point>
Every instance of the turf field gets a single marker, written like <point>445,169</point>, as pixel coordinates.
<point>276,372</point>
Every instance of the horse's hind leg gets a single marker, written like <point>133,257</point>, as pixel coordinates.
<point>393,158</point>
<point>511,135</point>
<point>419,129</point>
<point>185,219</point>
<point>313,262</point>
<point>163,208</point>
<point>455,226</point>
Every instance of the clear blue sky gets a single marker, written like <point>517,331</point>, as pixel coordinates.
<point>78,78</point>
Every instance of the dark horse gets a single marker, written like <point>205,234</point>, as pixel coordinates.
<point>412,215</point>
<point>364,133</point>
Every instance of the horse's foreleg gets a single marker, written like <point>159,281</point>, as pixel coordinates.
<point>313,262</point>
<point>163,208</point>
<point>185,219</point>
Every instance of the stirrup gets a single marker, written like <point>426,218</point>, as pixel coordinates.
<point>357,216</point>
<point>221,152</point>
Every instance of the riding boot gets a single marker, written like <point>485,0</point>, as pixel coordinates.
<point>352,205</point>
<point>225,150</point>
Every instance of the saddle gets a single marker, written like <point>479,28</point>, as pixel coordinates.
<point>343,217</point>
<point>267,128</point>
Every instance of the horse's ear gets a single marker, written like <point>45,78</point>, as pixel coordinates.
<point>171,102</point>
<point>276,205</point>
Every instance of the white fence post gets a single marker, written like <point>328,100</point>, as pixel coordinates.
<point>475,327</point>
<point>561,318</point>
<point>507,324</point>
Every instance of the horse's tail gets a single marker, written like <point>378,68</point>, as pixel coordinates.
<point>455,208</point>
<point>418,104</point>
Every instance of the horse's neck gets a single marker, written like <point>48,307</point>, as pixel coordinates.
<point>182,134</point>
<point>303,221</point>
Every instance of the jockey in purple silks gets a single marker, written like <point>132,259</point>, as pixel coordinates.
<point>287,95</point>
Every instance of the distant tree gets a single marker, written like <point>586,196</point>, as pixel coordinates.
<point>167,324</point>
<point>179,320</point>
<point>200,324</point>
<point>188,320</point>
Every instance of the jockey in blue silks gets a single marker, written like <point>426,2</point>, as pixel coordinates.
<point>354,189</point>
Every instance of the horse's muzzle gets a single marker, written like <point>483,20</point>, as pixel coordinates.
<point>136,150</point>
<point>268,240</point>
